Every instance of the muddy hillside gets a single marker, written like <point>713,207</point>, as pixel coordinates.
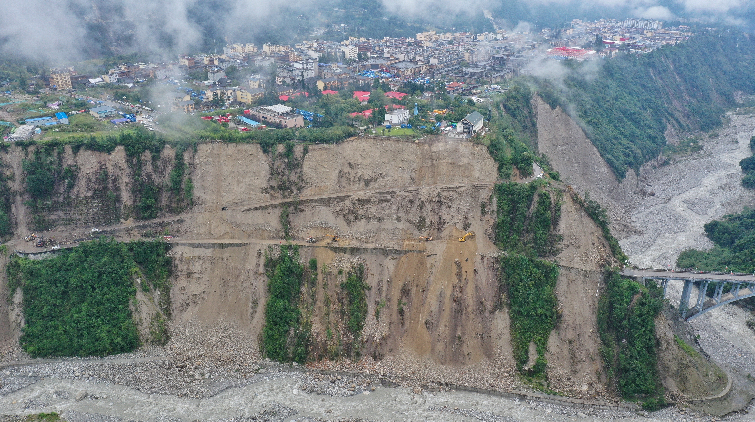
<point>386,216</point>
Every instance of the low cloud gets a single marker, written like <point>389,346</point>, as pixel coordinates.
<point>41,29</point>
<point>655,13</point>
<point>431,7</point>
<point>715,6</point>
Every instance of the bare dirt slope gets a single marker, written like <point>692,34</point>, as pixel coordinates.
<point>434,307</point>
<point>661,213</point>
<point>574,156</point>
<point>574,347</point>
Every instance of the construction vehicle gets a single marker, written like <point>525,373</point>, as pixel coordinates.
<point>426,238</point>
<point>468,235</point>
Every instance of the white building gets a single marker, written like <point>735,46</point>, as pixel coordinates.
<point>397,117</point>
<point>351,52</point>
<point>22,133</point>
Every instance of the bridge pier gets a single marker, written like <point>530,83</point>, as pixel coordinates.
<point>719,292</point>
<point>684,303</point>
<point>701,294</point>
<point>741,286</point>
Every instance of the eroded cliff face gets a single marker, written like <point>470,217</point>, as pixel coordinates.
<point>434,307</point>
<point>655,216</point>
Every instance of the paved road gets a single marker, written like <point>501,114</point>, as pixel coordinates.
<point>682,275</point>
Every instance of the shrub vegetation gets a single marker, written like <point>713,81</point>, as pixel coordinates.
<point>529,285</point>
<point>626,323</point>
<point>77,303</point>
<point>283,337</point>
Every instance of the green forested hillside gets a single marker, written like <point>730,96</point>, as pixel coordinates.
<point>629,102</point>
<point>734,237</point>
<point>77,303</point>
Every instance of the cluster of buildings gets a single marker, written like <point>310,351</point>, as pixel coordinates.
<point>461,58</point>
<point>32,126</point>
<point>460,63</point>
<point>629,35</point>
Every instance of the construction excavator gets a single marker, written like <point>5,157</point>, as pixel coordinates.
<point>466,236</point>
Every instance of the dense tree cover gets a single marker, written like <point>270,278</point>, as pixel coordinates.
<point>521,228</point>
<point>626,324</point>
<point>356,300</point>
<point>179,186</point>
<point>329,135</point>
<point>516,102</point>
<point>508,152</point>
<point>734,250</point>
<point>77,303</point>
<point>530,285</point>
<point>748,167</point>
<point>43,175</point>
<point>6,203</point>
<point>627,104</point>
<point>283,337</point>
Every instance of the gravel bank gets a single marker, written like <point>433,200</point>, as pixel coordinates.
<point>273,393</point>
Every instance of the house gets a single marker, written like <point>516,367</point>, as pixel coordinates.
<point>186,61</point>
<point>307,68</point>
<point>278,114</point>
<point>397,117</point>
<point>454,87</point>
<point>256,82</point>
<point>329,84</point>
<point>396,95</point>
<point>247,96</point>
<point>60,80</point>
<point>110,78</point>
<point>362,96</point>
<point>350,52</point>
<point>22,133</point>
<point>472,123</point>
<point>215,74</point>
<point>186,106</point>
<point>102,112</point>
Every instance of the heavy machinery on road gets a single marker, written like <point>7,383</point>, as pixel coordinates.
<point>466,236</point>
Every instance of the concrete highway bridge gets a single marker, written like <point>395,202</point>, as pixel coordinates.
<point>727,288</point>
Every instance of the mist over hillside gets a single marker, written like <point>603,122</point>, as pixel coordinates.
<point>73,30</point>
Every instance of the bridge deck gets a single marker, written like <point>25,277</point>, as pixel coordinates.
<point>737,286</point>
<point>680,275</point>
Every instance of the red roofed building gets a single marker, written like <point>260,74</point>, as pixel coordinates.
<point>454,87</point>
<point>396,95</point>
<point>285,97</point>
<point>564,53</point>
<point>362,96</point>
<point>329,92</point>
<point>366,114</point>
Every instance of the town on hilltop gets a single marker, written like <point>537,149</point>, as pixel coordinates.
<point>317,83</point>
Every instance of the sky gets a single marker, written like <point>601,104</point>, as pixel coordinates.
<point>72,30</point>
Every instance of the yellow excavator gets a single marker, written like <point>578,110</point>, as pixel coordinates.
<point>464,238</point>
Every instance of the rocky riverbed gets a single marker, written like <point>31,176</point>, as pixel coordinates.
<point>143,387</point>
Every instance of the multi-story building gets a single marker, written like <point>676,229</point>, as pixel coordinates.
<point>278,114</point>
<point>186,61</point>
<point>350,52</point>
<point>60,80</point>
